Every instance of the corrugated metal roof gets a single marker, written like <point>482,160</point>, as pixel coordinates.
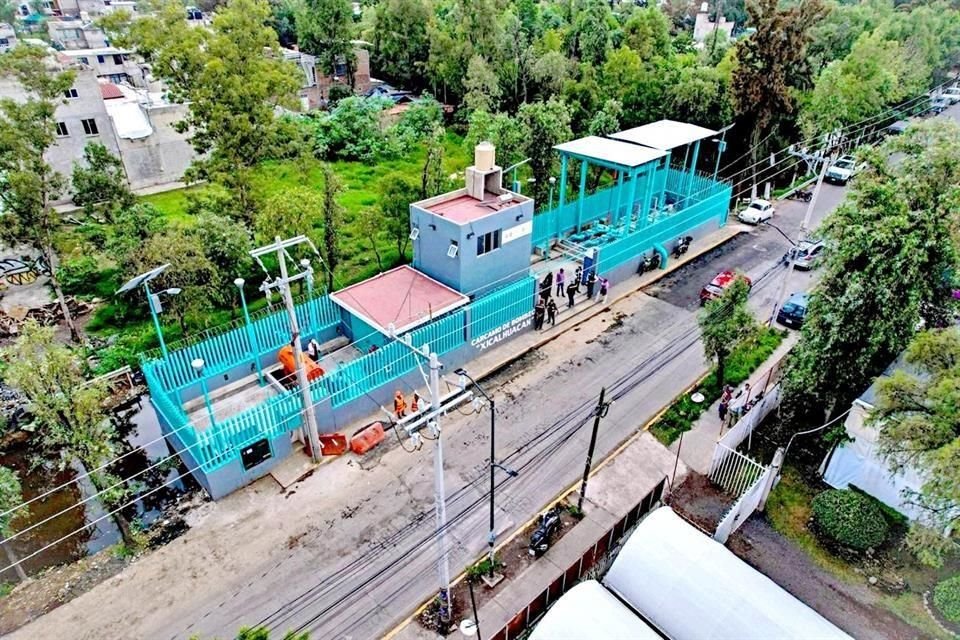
<point>610,151</point>
<point>664,134</point>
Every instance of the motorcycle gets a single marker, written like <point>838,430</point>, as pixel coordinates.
<point>649,263</point>
<point>548,525</point>
<point>682,245</point>
<point>801,195</point>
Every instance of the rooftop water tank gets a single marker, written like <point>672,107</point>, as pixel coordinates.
<point>483,156</point>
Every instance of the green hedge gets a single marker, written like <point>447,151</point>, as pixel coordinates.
<point>742,362</point>
<point>849,519</point>
<point>946,597</point>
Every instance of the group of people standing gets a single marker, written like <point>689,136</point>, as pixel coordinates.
<point>546,307</point>
<point>733,406</point>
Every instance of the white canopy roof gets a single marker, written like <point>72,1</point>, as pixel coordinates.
<point>129,119</point>
<point>590,612</point>
<point>692,587</point>
<point>664,134</point>
<point>612,151</point>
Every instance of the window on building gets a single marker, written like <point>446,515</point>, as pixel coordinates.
<point>84,60</point>
<point>117,78</point>
<point>340,66</point>
<point>71,34</point>
<point>62,129</point>
<point>71,93</point>
<point>90,126</point>
<point>101,59</point>
<point>4,42</point>
<point>488,242</point>
<point>117,59</point>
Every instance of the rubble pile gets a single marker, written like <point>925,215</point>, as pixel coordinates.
<point>48,314</point>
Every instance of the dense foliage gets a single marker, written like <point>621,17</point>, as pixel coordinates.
<point>946,597</point>
<point>849,519</point>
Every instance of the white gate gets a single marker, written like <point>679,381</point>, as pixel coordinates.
<point>748,481</point>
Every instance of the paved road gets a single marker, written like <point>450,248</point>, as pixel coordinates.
<point>350,551</point>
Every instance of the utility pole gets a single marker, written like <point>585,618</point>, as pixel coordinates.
<point>804,226</point>
<point>600,413</point>
<point>716,27</point>
<point>279,247</point>
<point>440,495</point>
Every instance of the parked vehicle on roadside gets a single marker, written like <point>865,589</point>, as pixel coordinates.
<point>759,211</point>
<point>952,94</point>
<point>719,284</point>
<point>548,524</point>
<point>939,104</point>
<point>650,262</point>
<point>802,195</point>
<point>841,171</point>
<point>793,311</point>
<point>808,254</point>
<point>683,243</point>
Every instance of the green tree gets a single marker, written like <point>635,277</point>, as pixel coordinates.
<point>233,77</point>
<point>545,125</point>
<point>396,194</point>
<point>190,270</point>
<point>68,408</point>
<point>889,266</point>
<point>647,32</point>
<point>725,323</point>
<point>401,45</point>
<point>700,94</point>
<point>607,120</point>
<point>28,184</point>
<point>370,228</point>
<point>481,85</point>
<point>772,64</point>
<point>100,182</point>
<point>919,421</point>
<point>592,32</point>
<point>551,71</point>
<point>332,221</point>
<point>504,131</point>
<point>132,228</point>
<point>432,179</point>
<point>324,29</point>
<point>226,244</point>
<point>289,213</point>
<point>11,497</point>
<point>283,19</point>
<point>352,130</point>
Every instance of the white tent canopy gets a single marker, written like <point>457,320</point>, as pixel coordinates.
<point>588,612</point>
<point>693,588</point>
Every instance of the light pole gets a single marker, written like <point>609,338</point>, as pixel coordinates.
<point>251,336</point>
<point>494,465</point>
<point>153,299</point>
<point>471,628</point>
<point>197,365</point>
<point>552,182</point>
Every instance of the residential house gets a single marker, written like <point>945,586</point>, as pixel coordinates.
<point>72,34</point>
<point>315,87</point>
<point>113,65</point>
<point>703,26</point>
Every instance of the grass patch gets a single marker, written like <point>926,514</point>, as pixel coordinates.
<point>909,608</point>
<point>742,362</point>
<point>5,589</point>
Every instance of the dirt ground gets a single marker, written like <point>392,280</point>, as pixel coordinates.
<point>853,607</point>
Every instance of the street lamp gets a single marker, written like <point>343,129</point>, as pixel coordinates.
<point>251,336</point>
<point>470,628</point>
<point>552,181</point>
<point>153,299</point>
<point>197,365</point>
<point>494,465</point>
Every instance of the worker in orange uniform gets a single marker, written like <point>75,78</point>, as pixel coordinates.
<point>415,403</point>
<point>399,405</point>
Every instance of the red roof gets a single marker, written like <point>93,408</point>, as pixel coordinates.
<point>463,209</point>
<point>403,297</point>
<point>110,91</point>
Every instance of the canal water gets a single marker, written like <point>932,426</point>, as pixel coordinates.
<point>87,528</point>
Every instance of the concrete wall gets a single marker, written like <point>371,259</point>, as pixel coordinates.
<point>163,156</point>
<point>430,247</point>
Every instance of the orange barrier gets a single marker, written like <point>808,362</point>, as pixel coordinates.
<point>285,356</point>
<point>367,438</point>
<point>333,444</point>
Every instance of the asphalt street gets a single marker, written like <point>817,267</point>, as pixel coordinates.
<point>351,551</point>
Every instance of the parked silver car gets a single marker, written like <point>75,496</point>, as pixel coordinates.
<point>805,255</point>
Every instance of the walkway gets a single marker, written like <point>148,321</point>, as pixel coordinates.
<point>696,447</point>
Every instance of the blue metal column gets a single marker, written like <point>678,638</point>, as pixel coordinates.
<point>683,176</point>
<point>661,196</point>
<point>633,196</point>
<point>562,200</point>
<point>648,194</point>
<point>583,189</point>
<point>693,171</point>
<point>251,336</point>
<point>616,213</point>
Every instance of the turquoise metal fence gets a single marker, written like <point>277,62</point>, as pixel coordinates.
<point>223,351</point>
<point>664,230</point>
<point>561,220</point>
<point>502,306</point>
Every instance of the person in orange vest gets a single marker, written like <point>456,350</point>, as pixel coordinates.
<point>399,405</point>
<point>415,403</point>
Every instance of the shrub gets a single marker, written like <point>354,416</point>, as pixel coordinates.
<point>850,519</point>
<point>946,597</point>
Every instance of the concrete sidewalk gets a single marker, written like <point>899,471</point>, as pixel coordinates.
<point>699,443</point>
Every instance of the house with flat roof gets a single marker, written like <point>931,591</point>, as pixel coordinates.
<point>8,37</point>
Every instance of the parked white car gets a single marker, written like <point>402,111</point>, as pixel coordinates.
<point>952,94</point>
<point>758,211</point>
<point>842,170</point>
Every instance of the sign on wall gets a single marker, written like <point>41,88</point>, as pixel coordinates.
<point>504,331</point>
<point>516,232</point>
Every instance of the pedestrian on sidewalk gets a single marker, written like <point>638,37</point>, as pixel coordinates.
<point>571,291</point>
<point>538,312</point>
<point>399,405</point>
<point>722,412</point>
<point>552,312</point>
<point>313,350</point>
<point>591,284</point>
<point>739,402</point>
<point>561,276</point>
<point>579,277</point>
<point>546,286</point>
<point>415,403</point>
<point>604,287</point>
